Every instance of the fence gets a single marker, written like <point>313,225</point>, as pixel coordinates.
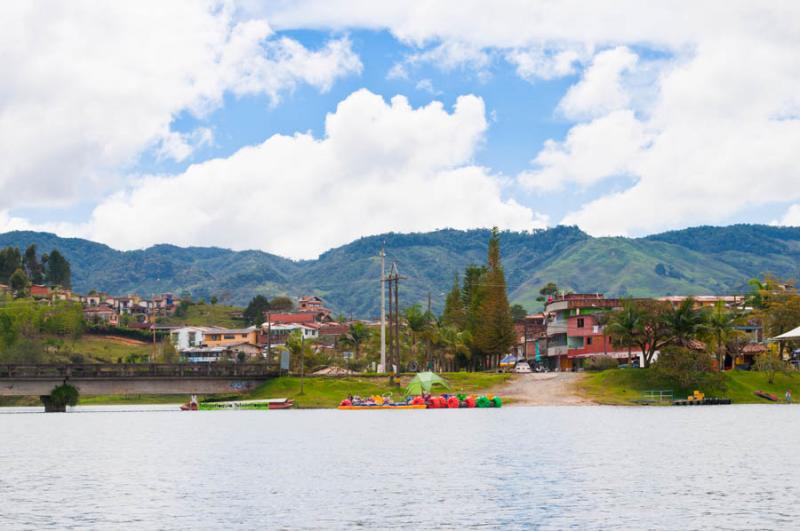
<point>140,370</point>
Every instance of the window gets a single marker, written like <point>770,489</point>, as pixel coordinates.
<point>230,336</point>
<point>589,340</point>
<point>580,322</point>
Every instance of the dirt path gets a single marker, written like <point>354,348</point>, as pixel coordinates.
<point>121,340</point>
<point>544,389</point>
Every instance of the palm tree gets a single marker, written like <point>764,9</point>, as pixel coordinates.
<point>297,345</point>
<point>623,325</point>
<point>453,342</point>
<point>357,334</point>
<point>720,324</point>
<point>685,322</point>
<point>418,322</point>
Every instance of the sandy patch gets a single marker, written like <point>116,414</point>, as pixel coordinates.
<point>544,389</point>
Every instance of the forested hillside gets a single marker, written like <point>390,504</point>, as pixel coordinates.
<point>699,260</point>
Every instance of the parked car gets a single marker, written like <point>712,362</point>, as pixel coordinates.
<point>522,367</point>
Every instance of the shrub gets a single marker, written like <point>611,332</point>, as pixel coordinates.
<point>771,363</point>
<point>64,395</point>
<point>601,363</point>
<point>690,369</point>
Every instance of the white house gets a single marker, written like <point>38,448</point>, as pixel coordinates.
<point>187,337</point>
<point>279,332</point>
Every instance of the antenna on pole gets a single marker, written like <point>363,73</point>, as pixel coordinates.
<point>382,367</point>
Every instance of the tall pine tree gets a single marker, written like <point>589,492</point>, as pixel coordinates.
<point>471,296</point>
<point>58,271</point>
<point>32,265</point>
<point>10,261</point>
<point>454,313</point>
<point>494,331</point>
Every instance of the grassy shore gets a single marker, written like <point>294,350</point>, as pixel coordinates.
<point>319,392</point>
<point>626,386</point>
<point>327,392</point>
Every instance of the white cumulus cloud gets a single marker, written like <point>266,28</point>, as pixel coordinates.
<point>698,103</point>
<point>381,166</point>
<point>87,87</point>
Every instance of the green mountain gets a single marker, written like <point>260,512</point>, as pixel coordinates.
<point>700,260</point>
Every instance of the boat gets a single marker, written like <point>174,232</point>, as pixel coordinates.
<point>768,396</point>
<point>389,406</point>
<point>268,403</point>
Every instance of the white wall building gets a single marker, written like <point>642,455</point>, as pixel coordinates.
<point>187,337</point>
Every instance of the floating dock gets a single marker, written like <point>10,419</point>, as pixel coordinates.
<point>703,402</point>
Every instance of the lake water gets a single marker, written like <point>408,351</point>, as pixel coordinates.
<point>725,467</point>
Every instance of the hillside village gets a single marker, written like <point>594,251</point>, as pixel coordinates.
<point>477,330</point>
<point>565,336</point>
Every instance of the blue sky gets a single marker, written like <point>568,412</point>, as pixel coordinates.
<point>193,123</point>
<point>522,113</point>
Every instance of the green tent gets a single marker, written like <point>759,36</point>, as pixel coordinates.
<point>423,382</point>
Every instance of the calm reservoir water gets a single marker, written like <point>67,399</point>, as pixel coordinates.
<point>724,467</point>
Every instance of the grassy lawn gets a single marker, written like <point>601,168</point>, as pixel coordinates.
<point>206,315</point>
<point>624,386</point>
<point>122,400</point>
<point>109,348</point>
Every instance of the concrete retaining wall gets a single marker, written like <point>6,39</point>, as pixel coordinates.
<point>129,386</point>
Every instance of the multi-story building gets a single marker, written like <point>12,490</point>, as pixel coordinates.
<point>575,332</point>
<point>528,331</point>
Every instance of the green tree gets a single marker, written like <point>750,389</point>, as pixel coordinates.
<point>720,323</point>
<point>19,283</point>
<point>472,291</point>
<point>494,333</point>
<point>653,331</point>
<point>690,369</point>
<point>281,304</point>
<point>623,325</point>
<point>300,349</point>
<point>8,330</point>
<point>453,345</point>
<point>417,322</point>
<point>58,271</point>
<point>357,334</point>
<point>10,261</point>
<point>213,300</point>
<point>454,313</point>
<point>167,352</point>
<point>548,290</point>
<point>771,363</point>
<point>32,265</point>
<point>256,309</point>
<point>685,322</point>
<point>518,312</point>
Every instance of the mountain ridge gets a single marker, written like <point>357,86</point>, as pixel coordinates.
<point>696,260</point>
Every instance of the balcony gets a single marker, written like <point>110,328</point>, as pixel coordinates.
<point>556,327</point>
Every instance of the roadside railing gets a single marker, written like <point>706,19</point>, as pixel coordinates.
<point>139,370</point>
<point>657,395</point>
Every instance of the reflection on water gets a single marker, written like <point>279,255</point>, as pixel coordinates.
<point>549,468</point>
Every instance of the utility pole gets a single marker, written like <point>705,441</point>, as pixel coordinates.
<point>383,309</point>
<point>391,328</point>
<point>269,337</point>
<point>428,360</point>
<point>302,358</point>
